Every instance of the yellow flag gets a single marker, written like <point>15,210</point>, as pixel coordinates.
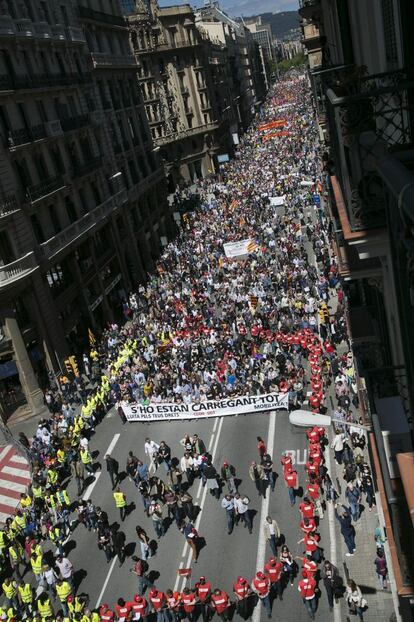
<point>92,338</point>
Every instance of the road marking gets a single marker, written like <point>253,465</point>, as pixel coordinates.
<point>261,546</point>
<point>90,488</point>
<point>202,503</point>
<point>295,454</point>
<point>331,522</point>
<point>108,576</point>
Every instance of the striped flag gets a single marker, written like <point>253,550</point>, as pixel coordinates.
<point>252,247</point>
<point>184,572</point>
<point>92,338</point>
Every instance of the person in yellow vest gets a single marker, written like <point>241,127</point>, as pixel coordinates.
<point>20,522</point>
<point>16,556</point>
<point>52,477</point>
<point>44,606</point>
<point>36,561</point>
<point>25,501</point>
<point>10,592</point>
<point>4,541</point>
<point>86,458</point>
<point>62,497</point>
<point>37,492</point>
<point>120,502</point>
<point>26,596</point>
<point>64,590</point>
<point>76,605</point>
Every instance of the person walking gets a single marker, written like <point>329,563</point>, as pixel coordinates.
<point>159,605</point>
<point>189,600</point>
<point>267,464</point>
<point>274,571</point>
<point>332,583</point>
<point>241,506</point>
<point>78,472</point>
<point>227,503</point>
<point>144,542</point>
<point>307,590</point>
<point>151,450</point>
<point>191,535</point>
<point>211,476</point>
<point>86,458</point>
<point>353,496</point>
<point>66,570</point>
<point>140,568</point>
<point>220,602</point>
<point>242,592</point>
<point>356,603</point>
<point>292,484</point>
<point>347,530</point>
<point>203,588</point>
<point>156,512</point>
<point>261,585</point>
<point>261,447</point>
<point>63,590</point>
<point>228,473</point>
<point>118,545</point>
<point>272,533</point>
<point>381,568</point>
<point>120,502</point>
<point>338,445</point>
<point>257,475</point>
<point>112,468</point>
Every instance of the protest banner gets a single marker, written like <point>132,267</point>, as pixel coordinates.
<point>248,404</point>
<point>240,249</point>
<point>277,200</point>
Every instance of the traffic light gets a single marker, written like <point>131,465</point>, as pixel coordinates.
<point>74,365</point>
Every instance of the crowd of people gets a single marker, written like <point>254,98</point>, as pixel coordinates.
<point>205,327</point>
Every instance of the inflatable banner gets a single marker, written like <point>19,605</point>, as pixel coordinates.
<point>211,408</point>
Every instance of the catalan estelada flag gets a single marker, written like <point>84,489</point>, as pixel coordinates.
<point>92,338</point>
<point>252,247</point>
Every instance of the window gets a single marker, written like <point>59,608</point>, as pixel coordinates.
<point>54,218</point>
<point>59,277</point>
<point>57,160</point>
<point>23,174</point>
<point>133,171</point>
<point>70,210</point>
<point>41,111</point>
<point>83,201</point>
<point>37,229</point>
<point>41,167</point>
<point>96,193</point>
<point>6,252</point>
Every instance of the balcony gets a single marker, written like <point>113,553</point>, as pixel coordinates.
<point>188,133</point>
<point>41,81</point>
<point>19,269</point>
<point>103,18</point>
<point>59,33</point>
<point>25,136</point>
<point>82,226</point>
<point>367,116</point>
<point>42,30</point>
<point>8,205</point>
<point>54,128</point>
<point>80,170</point>
<point>101,60</point>
<point>44,188</point>
<point>74,123</point>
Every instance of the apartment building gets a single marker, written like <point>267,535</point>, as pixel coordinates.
<point>186,121</point>
<point>363,95</point>
<point>83,210</point>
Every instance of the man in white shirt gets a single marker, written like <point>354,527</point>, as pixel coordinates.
<point>241,505</point>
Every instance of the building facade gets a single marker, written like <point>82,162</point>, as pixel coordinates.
<point>83,210</point>
<point>361,64</point>
<point>176,72</point>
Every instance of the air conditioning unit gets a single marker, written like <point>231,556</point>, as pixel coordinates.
<point>54,128</point>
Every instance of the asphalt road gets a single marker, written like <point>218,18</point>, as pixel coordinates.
<point>224,556</point>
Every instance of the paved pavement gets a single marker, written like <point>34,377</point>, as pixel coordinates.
<point>14,479</point>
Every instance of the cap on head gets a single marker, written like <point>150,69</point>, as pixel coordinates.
<point>138,598</point>
<point>202,578</point>
<point>260,575</point>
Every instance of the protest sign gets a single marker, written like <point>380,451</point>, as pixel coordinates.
<point>248,404</point>
<point>239,250</point>
<point>277,200</point>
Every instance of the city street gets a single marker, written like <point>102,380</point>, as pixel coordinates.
<point>225,556</point>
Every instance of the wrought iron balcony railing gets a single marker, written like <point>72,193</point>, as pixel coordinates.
<point>74,123</point>
<point>44,188</point>
<point>367,116</point>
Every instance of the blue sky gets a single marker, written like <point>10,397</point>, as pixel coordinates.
<point>244,7</point>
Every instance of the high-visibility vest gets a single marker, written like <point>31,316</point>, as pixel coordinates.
<point>26,501</point>
<point>10,590</point>
<point>37,564</point>
<point>45,609</point>
<point>63,497</point>
<point>37,491</point>
<point>94,617</point>
<point>3,540</point>
<point>21,522</point>
<point>26,593</point>
<point>60,456</point>
<point>54,534</point>
<point>76,605</point>
<point>63,590</point>
<point>120,499</point>
<point>85,456</point>
<point>52,476</point>
<point>16,552</point>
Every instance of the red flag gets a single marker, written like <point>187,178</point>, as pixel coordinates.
<point>184,572</point>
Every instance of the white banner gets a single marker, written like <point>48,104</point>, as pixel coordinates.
<point>239,250</point>
<point>277,200</point>
<point>211,408</point>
